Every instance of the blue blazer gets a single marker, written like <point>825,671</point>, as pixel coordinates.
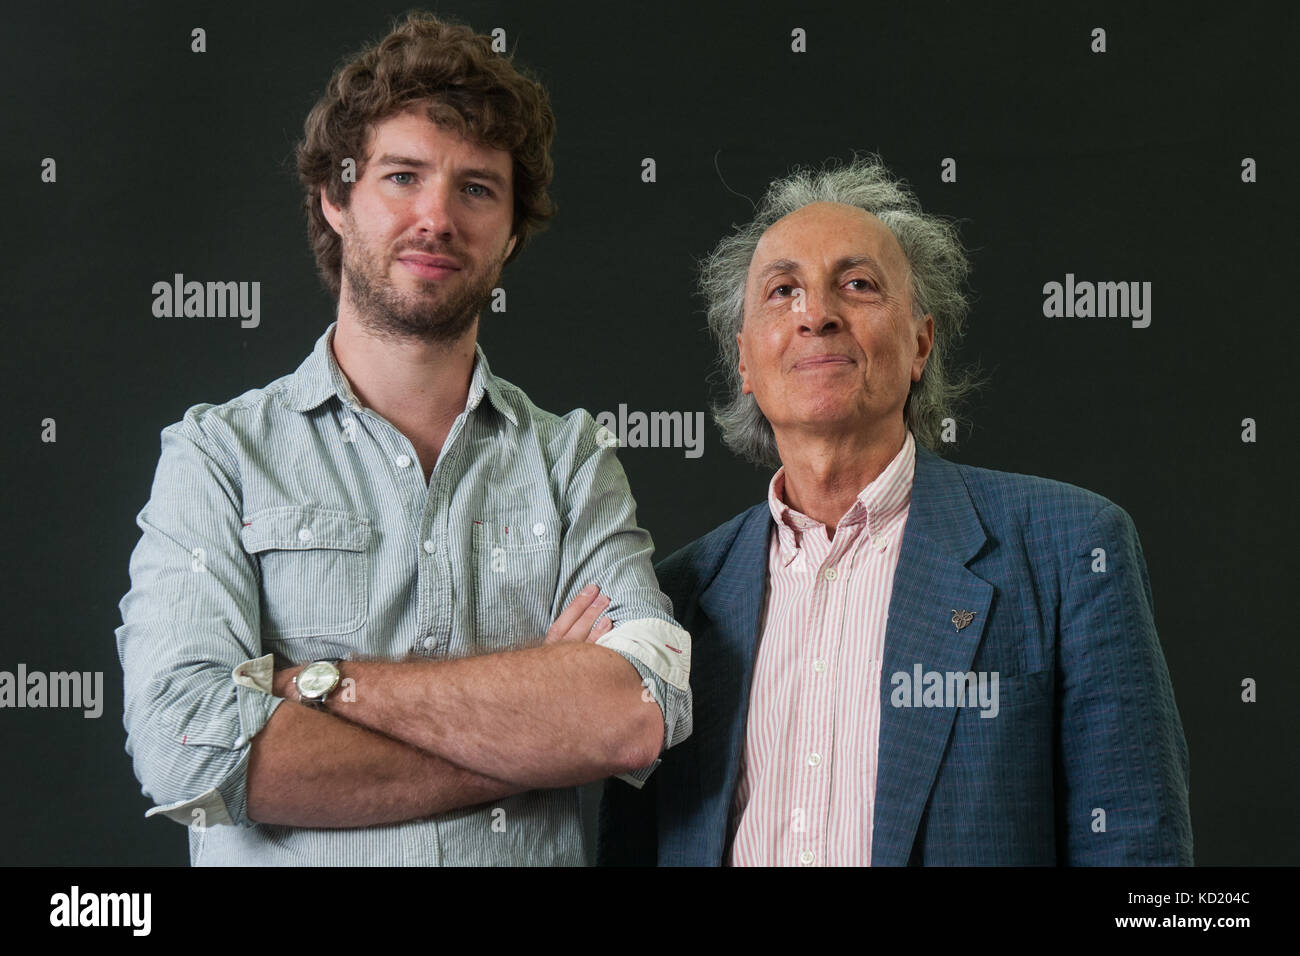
<point>1085,762</point>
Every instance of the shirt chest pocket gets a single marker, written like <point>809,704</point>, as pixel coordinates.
<point>516,570</point>
<point>314,570</point>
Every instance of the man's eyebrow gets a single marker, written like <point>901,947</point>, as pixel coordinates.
<point>850,262</point>
<point>491,175</point>
<point>777,266</point>
<point>393,159</point>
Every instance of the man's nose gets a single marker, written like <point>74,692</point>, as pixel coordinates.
<point>816,312</point>
<point>435,211</point>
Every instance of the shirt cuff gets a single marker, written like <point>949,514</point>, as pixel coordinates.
<point>661,646</point>
<point>257,674</point>
<point>206,810</point>
<point>660,652</point>
<point>256,703</point>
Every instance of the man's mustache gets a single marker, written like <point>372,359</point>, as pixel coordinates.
<point>439,249</point>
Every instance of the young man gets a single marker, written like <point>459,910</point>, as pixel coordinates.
<point>401,522</point>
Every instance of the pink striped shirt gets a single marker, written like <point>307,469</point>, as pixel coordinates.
<point>806,795</point>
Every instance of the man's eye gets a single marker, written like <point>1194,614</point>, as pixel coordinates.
<point>783,290</point>
<point>394,175</point>
<point>862,285</point>
<point>481,189</point>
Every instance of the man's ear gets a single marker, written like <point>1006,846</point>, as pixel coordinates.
<point>744,382</point>
<point>510,246</point>
<point>333,214</point>
<point>924,343</point>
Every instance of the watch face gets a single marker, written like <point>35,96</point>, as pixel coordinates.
<point>317,679</point>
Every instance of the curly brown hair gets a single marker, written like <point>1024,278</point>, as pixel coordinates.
<point>471,90</point>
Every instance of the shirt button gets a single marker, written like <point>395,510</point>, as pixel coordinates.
<point>879,542</point>
<point>304,534</point>
<point>806,857</point>
<point>403,461</point>
<point>819,666</point>
<point>428,547</point>
<point>830,574</point>
<point>239,741</point>
<point>814,760</point>
<point>539,529</point>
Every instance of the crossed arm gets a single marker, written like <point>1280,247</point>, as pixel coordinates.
<point>209,736</point>
<point>419,737</point>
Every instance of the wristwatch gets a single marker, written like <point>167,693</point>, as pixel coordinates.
<point>316,681</point>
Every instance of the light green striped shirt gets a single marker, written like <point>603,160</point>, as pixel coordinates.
<point>293,522</point>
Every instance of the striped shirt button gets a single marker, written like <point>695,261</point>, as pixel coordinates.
<point>814,760</point>
<point>806,857</point>
<point>539,529</point>
<point>403,461</point>
<point>304,534</point>
<point>819,666</point>
<point>429,546</point>
<point>879,542</point>
<point>830,574</point>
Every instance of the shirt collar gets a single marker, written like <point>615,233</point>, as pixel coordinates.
<point>319,377</point>
<point>880,501</point>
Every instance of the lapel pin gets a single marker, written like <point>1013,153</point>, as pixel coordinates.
<point>962,618</point>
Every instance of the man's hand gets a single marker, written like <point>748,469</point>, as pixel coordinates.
<point>577,622</point>
<point>282,683</point>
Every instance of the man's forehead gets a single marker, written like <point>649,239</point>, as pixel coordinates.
<point>830,231</point>
<point>412,122</point>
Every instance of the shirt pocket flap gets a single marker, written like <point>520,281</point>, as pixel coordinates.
<point>522,533</point>
<point>303,528</point>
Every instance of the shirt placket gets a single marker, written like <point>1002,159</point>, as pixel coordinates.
<point>814,749</point>
<point>849,540</point>
<point>434,582</point>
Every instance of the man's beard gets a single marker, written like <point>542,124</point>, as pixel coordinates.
<point>431,314</point>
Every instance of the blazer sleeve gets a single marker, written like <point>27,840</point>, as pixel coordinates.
<point>1122,767</point>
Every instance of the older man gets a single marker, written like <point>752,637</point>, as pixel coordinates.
<point>898,660</point>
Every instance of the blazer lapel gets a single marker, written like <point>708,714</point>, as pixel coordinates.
<point>931,582</point>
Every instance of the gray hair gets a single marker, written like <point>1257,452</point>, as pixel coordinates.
<point>937,265</point>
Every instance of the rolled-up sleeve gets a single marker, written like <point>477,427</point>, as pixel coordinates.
<point>189,642</point>
<point>603,545</point>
